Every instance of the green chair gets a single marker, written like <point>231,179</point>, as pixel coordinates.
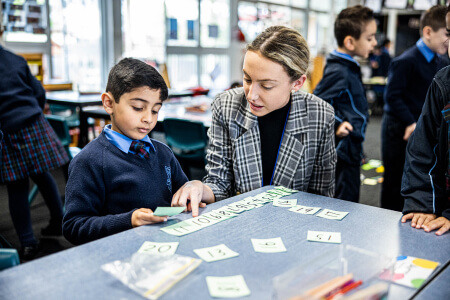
<point>71,115</point>
<point>59,125</point>
<point>188,141</point>
<point>8,258</point>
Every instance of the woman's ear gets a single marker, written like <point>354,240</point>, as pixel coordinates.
<point>296,85</point>
<point>108,103</point>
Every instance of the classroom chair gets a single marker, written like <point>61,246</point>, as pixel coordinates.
<point>8,258</point>
<point>61,128</point>
<point>71,116</point>
<point>188,141</point>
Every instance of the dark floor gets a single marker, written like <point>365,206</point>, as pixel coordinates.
<point>40,214</point>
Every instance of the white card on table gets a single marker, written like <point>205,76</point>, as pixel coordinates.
<point>268,245</point>
<point>332,214</point>
<point>305,210</point>
<point>324,237</point>
<point>215,253</point>
<point>285,202</point>
<point>227,287</point>
<point>158,248</point>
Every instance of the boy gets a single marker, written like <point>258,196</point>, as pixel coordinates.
<point>123,169</point>
<point>426,180</point>
<point>409,77</point>
<point>341,86</point>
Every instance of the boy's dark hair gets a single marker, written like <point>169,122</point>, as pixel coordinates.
<point>433,17</point>
<point>129,74</point>
<point>351,22</point>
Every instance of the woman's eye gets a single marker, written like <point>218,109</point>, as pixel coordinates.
<point>267,87</point>
<point>154,112</point>
<point>247,80</point>
<point>137,108</point>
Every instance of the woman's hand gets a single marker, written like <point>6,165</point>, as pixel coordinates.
<point>196,192</point>
<point>144,216</point>
<point>344,129</point>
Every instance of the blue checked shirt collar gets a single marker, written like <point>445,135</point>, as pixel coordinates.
<point>344,56</point>
<point>123,142</point>
<point>426,52</point>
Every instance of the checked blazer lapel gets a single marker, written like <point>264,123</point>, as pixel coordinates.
<point>247,154</point>
<point>292,149</point>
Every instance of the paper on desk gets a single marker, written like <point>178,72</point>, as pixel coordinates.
<point>162,211</point>
<point>411,271</point>
<point>158,248</point>
<point>324,237</point>
<point>305,210</point>
<point>215,253</point>
<point>269,245</point>
<point>227,287</point>
<point>332,214</point>
<point>285,202</point>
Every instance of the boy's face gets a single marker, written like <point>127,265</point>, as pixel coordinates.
<point>136,113</point>
<point>437,40</point>
<point>367,41</point>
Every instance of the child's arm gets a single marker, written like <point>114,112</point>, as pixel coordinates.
<point>36,86</point>
<point>197,192</point>
<point>144,216</point>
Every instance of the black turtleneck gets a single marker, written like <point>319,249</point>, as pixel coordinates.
<point>271,130</point>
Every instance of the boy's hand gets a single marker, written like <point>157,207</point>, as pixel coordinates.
<point>144,216</point>
<point>418,219</point>
<point>408,131</point>
<point>441,223</point>
<point>344,129</point>
<point>193,191</point>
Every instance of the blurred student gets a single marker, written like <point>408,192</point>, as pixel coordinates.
<point>426,178</point>
<point>409,77</point>
<point>380,59</point>
<point>116,182</point>
<point>341,86</point>
<point>29,149</point>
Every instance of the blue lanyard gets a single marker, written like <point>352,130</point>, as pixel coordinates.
<point>278,153</point>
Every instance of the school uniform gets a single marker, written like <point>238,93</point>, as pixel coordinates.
<point>29,145</point>
<point>409,77</point>
<point>108,181</point>
<point>426,175</point>
<point>342,87</point>
<point>306,155</point>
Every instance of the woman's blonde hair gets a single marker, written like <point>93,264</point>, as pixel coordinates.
<point>285,46</point>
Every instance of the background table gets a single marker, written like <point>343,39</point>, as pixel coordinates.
<point>76,273</point>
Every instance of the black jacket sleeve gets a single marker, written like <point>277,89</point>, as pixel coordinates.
<point>423,184</point>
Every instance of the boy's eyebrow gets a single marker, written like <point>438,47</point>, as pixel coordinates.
<point>259,79</point>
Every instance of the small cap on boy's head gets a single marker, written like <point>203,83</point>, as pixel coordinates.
<point>433,17</point>
<point>129,74</point>
<point>351,22</point>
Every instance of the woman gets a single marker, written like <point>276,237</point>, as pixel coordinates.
<point>268,132</point>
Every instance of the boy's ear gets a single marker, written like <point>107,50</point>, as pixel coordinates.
<point>349,43</point>
<point>296,85</point>
<point>426,32</point>
<point>108,103</point>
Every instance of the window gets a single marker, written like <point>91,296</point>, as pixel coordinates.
<point>182,22</point>
<point>215,28</point>
<point>76,43</point>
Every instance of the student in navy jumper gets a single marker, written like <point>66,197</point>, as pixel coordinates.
<point>426,180</point>
<point>342,87</point>
<point>29,148</point>
<point>116,182</point>
<point>409,77</point>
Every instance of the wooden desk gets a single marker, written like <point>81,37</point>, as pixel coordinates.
<point>76,272</point>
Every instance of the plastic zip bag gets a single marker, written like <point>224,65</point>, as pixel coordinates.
<point>151,275</point>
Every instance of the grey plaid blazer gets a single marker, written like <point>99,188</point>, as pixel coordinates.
<point>307,157</point>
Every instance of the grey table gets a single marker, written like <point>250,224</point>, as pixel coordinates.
<point>76,273</point>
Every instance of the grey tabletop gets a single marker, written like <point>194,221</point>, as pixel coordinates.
<point>76,272</point>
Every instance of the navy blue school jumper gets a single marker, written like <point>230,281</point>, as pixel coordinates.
<point>409,77</point>
<point>106,185</point>
<point>342,87</point>
<point>29,145</point>
<point>426,184</point>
